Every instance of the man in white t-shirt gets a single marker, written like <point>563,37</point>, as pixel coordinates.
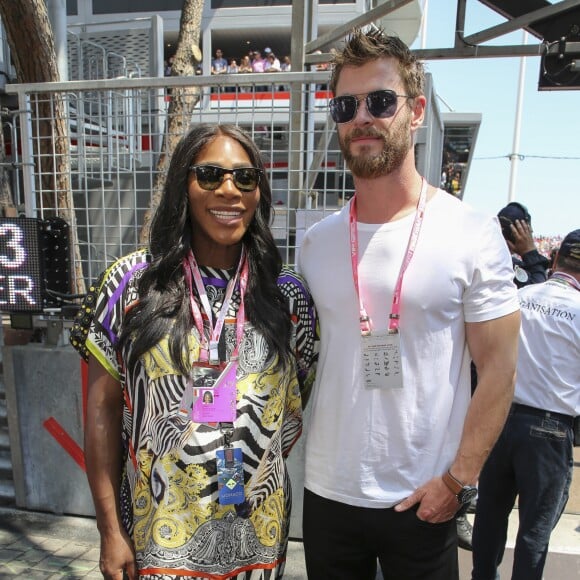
<point>533,456</point>
<point>410,283</point>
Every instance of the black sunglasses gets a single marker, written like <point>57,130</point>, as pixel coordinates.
<point>380,104</point>
<point>210,177</point>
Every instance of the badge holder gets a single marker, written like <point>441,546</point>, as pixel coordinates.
<point>213,393</point>
<point>230,471</point>
<point>381,353</point>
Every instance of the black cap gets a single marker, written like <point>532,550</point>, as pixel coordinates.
<point>514,211</point>
<point>509,214</point>
<point>570,246</point>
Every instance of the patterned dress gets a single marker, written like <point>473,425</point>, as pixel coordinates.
<point>169,497</point>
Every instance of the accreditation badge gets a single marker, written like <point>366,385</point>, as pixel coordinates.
<point>381,353</point>
<point>521,275</point>
<point>213,393</point>
<point>230,474</point>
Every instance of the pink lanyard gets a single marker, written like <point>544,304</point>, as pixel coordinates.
<point>193,275</point>
<point>365,323</point>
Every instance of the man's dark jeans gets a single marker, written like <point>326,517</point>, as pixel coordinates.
<point>343,542</point>
<point>533,459</point>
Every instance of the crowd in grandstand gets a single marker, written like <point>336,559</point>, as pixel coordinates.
<point>253,61</point>
<point>547,244</point>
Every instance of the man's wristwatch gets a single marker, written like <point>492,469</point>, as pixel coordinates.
<point>463,493</point>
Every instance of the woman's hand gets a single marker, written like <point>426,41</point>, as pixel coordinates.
<point>117,557</point>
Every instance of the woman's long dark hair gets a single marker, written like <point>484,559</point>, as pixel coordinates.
<point>164,307</point>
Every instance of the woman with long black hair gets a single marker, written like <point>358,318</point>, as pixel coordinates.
<point>184,487</point>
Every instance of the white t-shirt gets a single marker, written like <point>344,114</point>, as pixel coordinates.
<point>372,448</point>
<point>548,375</point>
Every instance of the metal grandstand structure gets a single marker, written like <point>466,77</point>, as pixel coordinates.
<point>116,114</point>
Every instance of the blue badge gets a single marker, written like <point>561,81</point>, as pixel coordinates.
<point>230,472</point>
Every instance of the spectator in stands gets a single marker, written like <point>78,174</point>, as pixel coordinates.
<point>285,66</point>
<point>272,63</point>
<point>169,65</point>
<point>182,489</point>
<point>259,66</point>
<point>530,267</point>
<point>319,67</point>
<point>245,68</point>
<point>219,64</point>
<point>233,67</point>
<point>245,65</point>
<point>533,456</point>
<point>258,63</point>
<point>455,184</point>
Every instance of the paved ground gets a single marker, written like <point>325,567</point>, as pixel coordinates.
<point>36,545</point>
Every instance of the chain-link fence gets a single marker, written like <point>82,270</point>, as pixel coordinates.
<point>115,131</point>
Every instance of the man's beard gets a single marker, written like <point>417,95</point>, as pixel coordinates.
<point>396,144</point>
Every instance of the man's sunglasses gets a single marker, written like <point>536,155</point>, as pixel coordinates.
<point>380,104</point>
<point>210,177</point>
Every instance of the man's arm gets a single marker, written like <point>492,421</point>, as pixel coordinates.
<point>103,455</point>
<point>493,345</point>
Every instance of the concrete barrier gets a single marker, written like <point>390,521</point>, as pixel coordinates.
<point>45,401</point>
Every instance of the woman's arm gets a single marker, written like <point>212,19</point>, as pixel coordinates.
<point>103,455</point>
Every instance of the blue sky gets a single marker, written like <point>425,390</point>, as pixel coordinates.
<point>550,123</point>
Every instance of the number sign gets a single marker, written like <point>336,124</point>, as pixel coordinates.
<point>21,276</point>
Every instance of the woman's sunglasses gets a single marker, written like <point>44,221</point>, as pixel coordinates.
<point>210,177</point>
<point>380,104</point>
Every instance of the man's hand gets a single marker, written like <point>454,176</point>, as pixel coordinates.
<point>523,240</point>
<point>436,502</point>
<point>117,556</point>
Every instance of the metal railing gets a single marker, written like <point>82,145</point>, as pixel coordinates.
<point>117,129</point>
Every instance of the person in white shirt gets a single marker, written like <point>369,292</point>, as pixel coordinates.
<point>408,281</point>
<point>272,63</point>
<point>533,456</point>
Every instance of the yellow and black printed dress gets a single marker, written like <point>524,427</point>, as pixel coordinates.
<point>169,490</point>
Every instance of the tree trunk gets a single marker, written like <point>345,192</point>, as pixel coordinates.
<point>31,43</point>
<point>182,102</point>
<point>7,206</point>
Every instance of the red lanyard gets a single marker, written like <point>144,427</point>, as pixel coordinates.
<point>365,322</point>
<point>193,275</point>
<point>563,278</point>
